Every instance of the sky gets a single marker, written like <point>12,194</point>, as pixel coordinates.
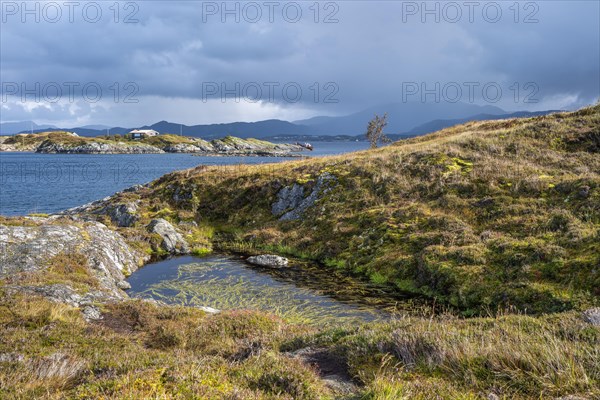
<point>134,63</point>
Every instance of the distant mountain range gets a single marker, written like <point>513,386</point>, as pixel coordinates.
<point>11,128</point>
<point>404,119</point>
<point>258,129</point>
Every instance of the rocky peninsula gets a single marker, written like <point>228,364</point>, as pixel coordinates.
<point>61,142</point>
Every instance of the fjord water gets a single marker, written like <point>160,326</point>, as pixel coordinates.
<point>48,183</point>
<point>308,294</point>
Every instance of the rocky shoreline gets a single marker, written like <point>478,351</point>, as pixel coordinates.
<point>48,147</point>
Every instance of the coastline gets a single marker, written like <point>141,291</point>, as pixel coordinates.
<point>195,154</point>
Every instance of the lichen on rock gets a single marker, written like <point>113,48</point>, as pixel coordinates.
<point>28,248</point>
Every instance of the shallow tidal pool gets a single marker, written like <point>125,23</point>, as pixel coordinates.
<point>306,294</point>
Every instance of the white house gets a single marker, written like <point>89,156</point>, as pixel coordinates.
<point>142,133</point>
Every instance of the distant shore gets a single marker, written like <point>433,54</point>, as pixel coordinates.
<point>61,142</point>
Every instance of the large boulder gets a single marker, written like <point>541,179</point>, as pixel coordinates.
<point>268,260</point>
<point>124,285</point>
<point>172,241</point>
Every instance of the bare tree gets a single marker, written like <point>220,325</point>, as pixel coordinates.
<point>375,130</point>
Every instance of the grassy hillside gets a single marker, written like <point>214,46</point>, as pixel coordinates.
<point>169,139</point>
<point>64,137</point>
<point>478,216</point>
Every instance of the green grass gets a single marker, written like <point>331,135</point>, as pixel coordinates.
<point>201,251</point>
<point>140,350</point>
<point>144,351</point>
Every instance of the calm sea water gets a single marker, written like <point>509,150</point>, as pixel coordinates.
<point>48,183</point>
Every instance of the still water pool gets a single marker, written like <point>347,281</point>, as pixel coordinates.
<point>306,294</point>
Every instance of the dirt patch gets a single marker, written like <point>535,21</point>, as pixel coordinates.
<point>121,320</point>
<point>331,367</point>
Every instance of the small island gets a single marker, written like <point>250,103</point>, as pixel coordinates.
<point>63,142</point>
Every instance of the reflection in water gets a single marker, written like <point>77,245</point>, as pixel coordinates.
<point>307,295</point>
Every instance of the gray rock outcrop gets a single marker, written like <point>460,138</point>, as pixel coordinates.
<point>182,148</point>
<point>124,285</point>
<point>123,214</point>
<point>28,249</point>
<point>65,294</point>
<point>208,309</point>
<point>288,198</point>
<point>11,358</point>
<point>332,369</point>
<point>249,147</point>
<point>91,313</point>
<point>172,241</point>
<point>291,205</point>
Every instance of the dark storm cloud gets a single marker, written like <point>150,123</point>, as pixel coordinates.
<point>176,48</point>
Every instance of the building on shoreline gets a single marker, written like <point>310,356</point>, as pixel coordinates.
<point>142,133</point>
